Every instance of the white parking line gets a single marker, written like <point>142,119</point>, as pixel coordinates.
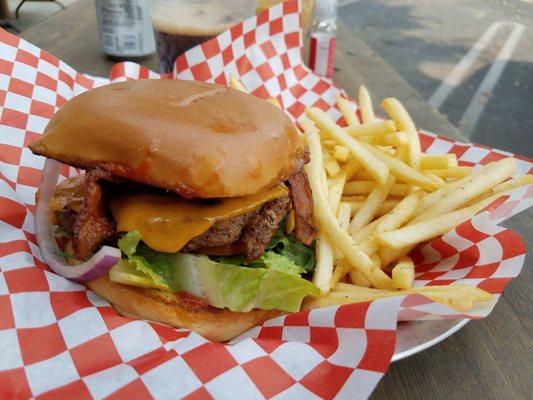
<point>474,110</point>
<point>343,3</point>
<point>457,75</point>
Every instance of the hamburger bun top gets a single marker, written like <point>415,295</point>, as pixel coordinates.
<point>196,139</point>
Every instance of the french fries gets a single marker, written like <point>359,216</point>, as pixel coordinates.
<point>329,225</point>
<point>236,84</point>
<point>460,297</point>
<point>384,208</point>
<point>274,101</point>
<point>390,221</point>
<point>358,279</point>
<point>341,153</point>
<point>365,105</point>
<point>371,206</point>
<point>441,161</point>
<point>350,169</point>
<point>435,196</point>
<point>323,264</point>
<point>401,170</point>
<point>437,179</point>
<point>504,187</point>
<point>343,215</point>
<point>400,214</point>
<point>348,111</point>
<point>371,129</point>
<point>373,172</point>
<point>336,187</point>
<point>366,187</point>
<point>452,172</point>
<point>377,168</point>
<point>403,274</point>
<point>430,228</point>
<point>390,139</point>
<point>331,165</point>
<point>399,114</point>
<point>491,176</point>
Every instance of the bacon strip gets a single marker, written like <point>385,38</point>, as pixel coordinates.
<point>302,204</point>
<point>92,226</point>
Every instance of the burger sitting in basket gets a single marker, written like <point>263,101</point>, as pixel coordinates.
<point>180,214</point>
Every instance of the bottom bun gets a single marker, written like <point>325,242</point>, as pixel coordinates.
<point>215,324</point>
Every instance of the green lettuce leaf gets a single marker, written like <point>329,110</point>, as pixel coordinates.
<point>272,260</point>
<point>289,247</point>
<point>282,250</point>
<point>272,282</point>
<point>128,244</point>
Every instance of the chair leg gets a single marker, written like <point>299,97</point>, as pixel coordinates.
<point>18,8</point>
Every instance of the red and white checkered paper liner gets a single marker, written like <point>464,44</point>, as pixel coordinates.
<point>59,340</point>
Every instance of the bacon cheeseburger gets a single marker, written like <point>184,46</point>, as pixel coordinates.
<point>180,214</point>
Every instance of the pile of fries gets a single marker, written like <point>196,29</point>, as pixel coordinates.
<point>376,196</point>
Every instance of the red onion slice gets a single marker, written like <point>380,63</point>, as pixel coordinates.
<point>98,265</point>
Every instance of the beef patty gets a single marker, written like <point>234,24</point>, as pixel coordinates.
<point>248,233</point>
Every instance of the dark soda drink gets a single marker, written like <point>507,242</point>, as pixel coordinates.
<point>170,46</point>
<point>180,25</point>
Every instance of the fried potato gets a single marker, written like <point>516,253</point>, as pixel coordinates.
<point>388,256</point>
<point>365,105</point>
<point>236,84</point>
<point>394,219</point>
<point>400,214</point>
<point>504,187</point>
<point>358,279</point>
<point>433,197</point>
<point>371,129</point>
<point>329,144</point>
<point>427,229</point>
<point>323,263</point>
<point>440,161</point>
<point>274,101</point>
<point>437,179</point>
<point>370,207</point>
<point>336,186</point>
<point>401,170</point>
<point>397,198</point>
<point>460,297</point>
<point>489,177</point>
<point>348,111</point>
<point>391,139</point>
<point>384,207</point>
<point>403,120</point>
<point>403,274</point>
<point>329,225</point>
<point>341,153</point>
<point>452,172</point>
<point>366,187</point>
<point>377,168</point>
<point>350,169</point>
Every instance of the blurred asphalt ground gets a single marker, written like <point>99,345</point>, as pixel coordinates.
<point>488,87</point>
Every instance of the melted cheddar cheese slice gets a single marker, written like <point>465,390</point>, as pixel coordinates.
<point>167,223</point>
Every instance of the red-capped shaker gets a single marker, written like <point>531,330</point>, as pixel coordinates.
<point>323,35</point>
